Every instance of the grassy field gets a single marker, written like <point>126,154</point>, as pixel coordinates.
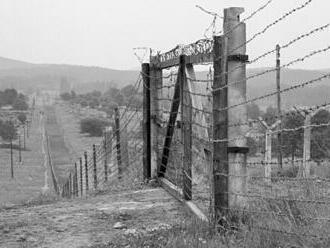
<point>32,177</point>
<point>69,120</point>
<point>66,142</point>
<point>29,176</point>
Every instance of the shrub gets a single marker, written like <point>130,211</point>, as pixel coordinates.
<point>7,130</point>
<point>93,126</point>
<point>22,118</point>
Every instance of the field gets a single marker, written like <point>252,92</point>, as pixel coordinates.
<point>30,177</point>
<point>33,178</point>
<point>66,143</point>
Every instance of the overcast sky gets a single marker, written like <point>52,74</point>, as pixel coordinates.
<point>104,32</point>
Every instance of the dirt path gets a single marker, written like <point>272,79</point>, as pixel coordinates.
<point>45,188</point>
<point>89,222</point>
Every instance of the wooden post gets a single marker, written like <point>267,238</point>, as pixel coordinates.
<point>279,108</point>
<point>11,159</point>
<point>67,189</point>
<point>76,179</point>
<point>105,156</point>
<point>220,127</point>
<point>117,132</point>
<point>109,135</point>
<point>156,83</point>
<point>146,122</point>
<point>24,139</point>
<point>237,147</point>
<point>94,167</point>
<point>186,130</point>
<point>27,128</point>
<point>307,146</point>
<point>86,171</point>
<point>70,185</point>
<point>19,148</point>
<point>268,155</point>
<point>81,177</point>
<point>64,190</point>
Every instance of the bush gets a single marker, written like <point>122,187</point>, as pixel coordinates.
<point>7,130</point>
<point>22,118</point>
<point>93,126</point>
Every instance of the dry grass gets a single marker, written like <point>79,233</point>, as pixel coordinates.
<point>29,177</point>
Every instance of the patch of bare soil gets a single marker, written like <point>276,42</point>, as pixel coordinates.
<point>102,221</point>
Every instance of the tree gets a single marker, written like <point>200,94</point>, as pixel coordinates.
<point>320,136</point>
<point>253,146</point>
<point>73,94</point>
<point>292,141</point>
<point>253,111</point>
<point>115,95</point>
<point>20,104</point>
<point>66,96</point>
<point>128,91</point>
<point>9,96</point>
<point>270,115</point>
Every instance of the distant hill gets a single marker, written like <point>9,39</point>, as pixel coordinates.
<point>28,76</point>
<point>13,64</point>
<point>25,75</point>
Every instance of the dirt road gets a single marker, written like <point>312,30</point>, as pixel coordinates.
<point>90,222</point>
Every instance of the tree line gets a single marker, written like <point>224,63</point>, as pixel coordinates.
<point>107,101</point>
<point>10,97</point>
<point>17,101</point>
<point>292,141</point>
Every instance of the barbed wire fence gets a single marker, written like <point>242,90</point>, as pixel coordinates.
<point>114,158</point>
<point>209,152</point>
<point>195,135</point>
